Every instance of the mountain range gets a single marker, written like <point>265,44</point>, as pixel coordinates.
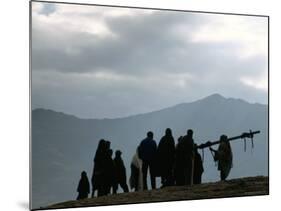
<point>64,145</point>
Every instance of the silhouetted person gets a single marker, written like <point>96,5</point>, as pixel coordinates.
<point>198,167</point>
<point>187,145</point>
<point>136,178</point>
<point>109,170</point>
<point>120,173</point>
<point>147,153</point>
<point>98,169</point>
<point>179,163</point>
<point>166,158</point>
<point>224,157</point>
<point>83,188</point>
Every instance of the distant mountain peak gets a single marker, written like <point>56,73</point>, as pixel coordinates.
<point>48,113</point>
<point>219,98</point>
<point>212,98</point>
<point>216,95</point>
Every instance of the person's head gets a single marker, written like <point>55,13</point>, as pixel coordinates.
<point>168,132</point>
<point>83,174</point>
<point>107,145</point>
<point>101,144</point>
<point>118,153</point>
<point>189,132</point>
<point>150,134</point>
<point>223,138</point>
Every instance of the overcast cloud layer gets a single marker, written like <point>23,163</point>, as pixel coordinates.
<point>97,62</point>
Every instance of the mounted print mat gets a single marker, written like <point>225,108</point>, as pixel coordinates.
<point>134,105</point>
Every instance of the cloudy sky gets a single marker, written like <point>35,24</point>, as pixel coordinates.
<point>97,62</point>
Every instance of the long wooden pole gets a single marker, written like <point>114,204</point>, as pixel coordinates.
<point>243,135</point>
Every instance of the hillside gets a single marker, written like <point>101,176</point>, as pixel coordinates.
<point>249,186</point>
<point>64,145</point>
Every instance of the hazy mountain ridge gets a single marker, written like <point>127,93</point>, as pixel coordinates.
<point>215,98</point>
<point>64,145</point>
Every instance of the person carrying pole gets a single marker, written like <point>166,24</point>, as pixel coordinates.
<point>223,155</point>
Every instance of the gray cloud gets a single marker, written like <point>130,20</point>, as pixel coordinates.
<point>150,62</point>
<point>143,43</point>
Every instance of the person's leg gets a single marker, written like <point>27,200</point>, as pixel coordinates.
<point>187,173</point>
<point>84,196</point>
<point>124,186</point>
<point>222,175</point>
<point>163,180</point>
<point>101,191</point>
<point>115,188</point>
<point>93,192</point>
<point>136,178</point>
<point>94,185</point>
<point>169,180</point>
<point>152,176</point>
<point>144,172</point>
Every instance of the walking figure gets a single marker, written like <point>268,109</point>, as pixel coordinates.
<point>224,157</point>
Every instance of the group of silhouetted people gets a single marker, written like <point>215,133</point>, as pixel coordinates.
<point>188,162</point>
<point>108,173</point>
<point>176,164</point>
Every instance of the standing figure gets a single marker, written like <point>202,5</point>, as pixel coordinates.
<point>198,167</point>
<point>136,178</point>
<point>166,158</point>
<point>98,169</point>
<point>120,173</point>
<point>83,188</point>
<point>179,163</point>
<point>188,156</point>
<point>109,170</point>
<point>224,157</point>
<point>147,153</point>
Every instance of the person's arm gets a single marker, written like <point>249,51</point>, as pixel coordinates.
<point>215,155</point>
<point>213,150</point>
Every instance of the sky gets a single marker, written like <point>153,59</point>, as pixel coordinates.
<point>109,62</point>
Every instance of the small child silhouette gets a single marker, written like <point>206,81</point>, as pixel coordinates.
<point>84,187</point>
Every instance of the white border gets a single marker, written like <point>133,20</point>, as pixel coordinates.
<point>14,92</point>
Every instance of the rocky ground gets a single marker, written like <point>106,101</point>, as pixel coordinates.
<point>236,187</point>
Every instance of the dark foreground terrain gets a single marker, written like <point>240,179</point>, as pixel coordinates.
<point>248,186</point>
